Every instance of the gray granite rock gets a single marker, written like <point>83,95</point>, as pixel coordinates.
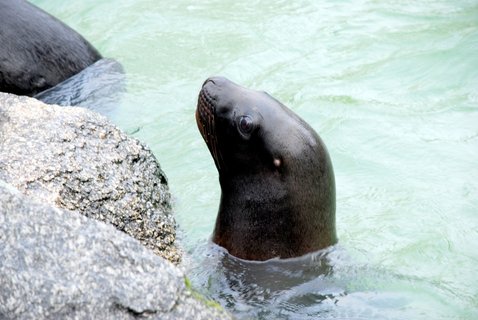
<point>75,159</point>
<point>58,264</point>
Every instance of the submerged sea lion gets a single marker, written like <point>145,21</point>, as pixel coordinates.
<point>276,177</point>
<point>38,51</point>
<point>98,87</point>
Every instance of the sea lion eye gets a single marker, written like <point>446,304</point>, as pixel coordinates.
<point>245,124</point>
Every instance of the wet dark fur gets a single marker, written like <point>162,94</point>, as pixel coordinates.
<point>37,51</point>
<point>277,181</point>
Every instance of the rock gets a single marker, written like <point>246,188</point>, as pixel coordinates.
<point>58,264</point>
<point>75,159</point>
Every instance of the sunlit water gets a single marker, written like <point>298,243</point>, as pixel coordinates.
<point>391,87</point>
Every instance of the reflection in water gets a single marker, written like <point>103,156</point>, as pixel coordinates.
<point>283,287</point>
<point>323,284</point>
<point>298,287</point>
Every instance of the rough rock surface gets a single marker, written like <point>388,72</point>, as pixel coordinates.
<point>75,159</point>
<point>58,264</point>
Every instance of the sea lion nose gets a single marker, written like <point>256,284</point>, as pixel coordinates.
<point>217,81</point>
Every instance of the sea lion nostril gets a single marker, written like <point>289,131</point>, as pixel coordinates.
<point>208,80</point>
<point>218,81</point>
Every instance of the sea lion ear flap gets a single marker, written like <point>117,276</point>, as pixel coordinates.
<point>277,163</point>
<point>272,155</point>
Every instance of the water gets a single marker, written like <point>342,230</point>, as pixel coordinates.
<point>98,87</point>
<point>391,87</point>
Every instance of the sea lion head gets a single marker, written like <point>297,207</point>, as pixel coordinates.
<point>247,130</point>
<point>277,182</point>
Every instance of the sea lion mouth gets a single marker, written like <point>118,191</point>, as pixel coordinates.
<point>205,118</point>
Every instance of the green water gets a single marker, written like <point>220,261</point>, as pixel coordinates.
<point>391,87</point>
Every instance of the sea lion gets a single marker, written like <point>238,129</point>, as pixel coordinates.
<point>276,176</point>
<point>38,51</point>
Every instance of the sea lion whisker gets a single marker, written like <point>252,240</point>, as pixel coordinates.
<point>213,141</point>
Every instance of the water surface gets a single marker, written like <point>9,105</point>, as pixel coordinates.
<point>391,87</point>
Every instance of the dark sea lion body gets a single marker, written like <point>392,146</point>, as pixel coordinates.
<point>37,51</point>
<point>276,177</point>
